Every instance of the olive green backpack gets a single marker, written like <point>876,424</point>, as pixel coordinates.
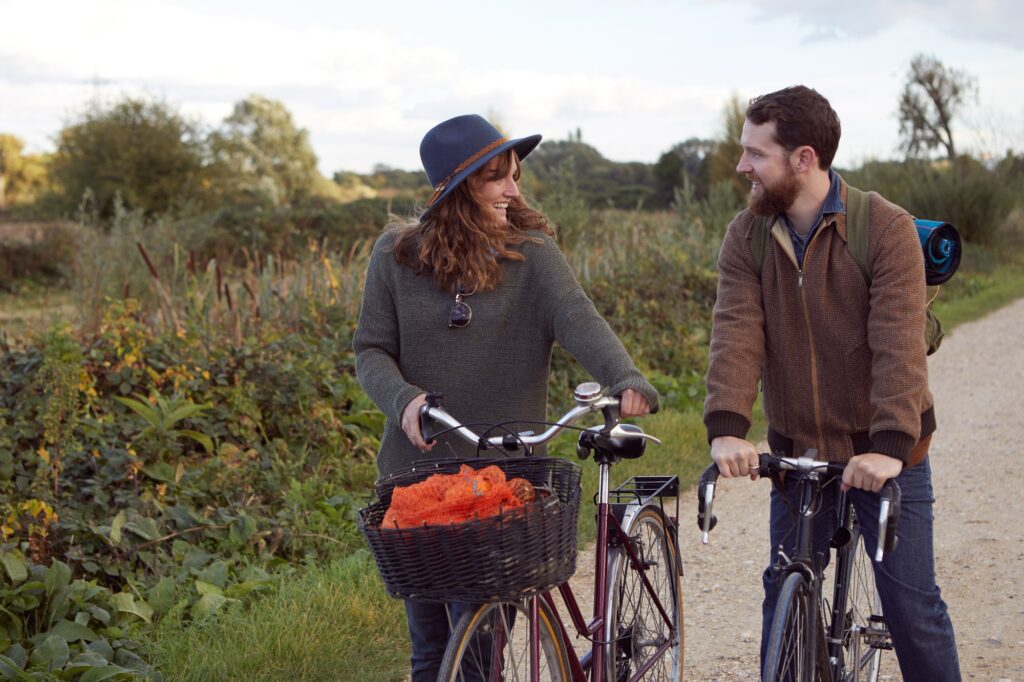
<point>858,213</point>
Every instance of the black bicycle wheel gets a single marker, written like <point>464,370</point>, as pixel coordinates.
<point>865,634</point>
<point>493,643</point>
<point>636,628</point>
<point>790,655</point>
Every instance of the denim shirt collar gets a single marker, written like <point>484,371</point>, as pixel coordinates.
<point>832,205</point>
<point>833,201</point>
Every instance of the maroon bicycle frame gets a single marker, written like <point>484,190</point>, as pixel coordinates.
<point>607,526</point>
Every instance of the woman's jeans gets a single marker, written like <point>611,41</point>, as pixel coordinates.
<point>429,628</point>
<point>922,632</point>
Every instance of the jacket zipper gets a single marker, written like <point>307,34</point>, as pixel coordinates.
<point>814,355</point>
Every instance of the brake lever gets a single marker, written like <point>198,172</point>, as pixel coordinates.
<point>888,518</point>
<point>706,521</point>
<point>618,432</point>
<point>426,421</point>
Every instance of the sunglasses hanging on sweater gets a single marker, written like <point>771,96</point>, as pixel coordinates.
<point>461,313</point>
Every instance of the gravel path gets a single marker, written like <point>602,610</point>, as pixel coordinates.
<point>978,381</point>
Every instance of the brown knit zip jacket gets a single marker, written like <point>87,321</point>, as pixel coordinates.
<point>843,368</point>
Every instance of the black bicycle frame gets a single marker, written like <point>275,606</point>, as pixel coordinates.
<point>843,539</point>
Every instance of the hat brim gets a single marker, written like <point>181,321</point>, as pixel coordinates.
<point>522,145</point>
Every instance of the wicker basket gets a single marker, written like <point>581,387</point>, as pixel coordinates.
<point>497,558</point>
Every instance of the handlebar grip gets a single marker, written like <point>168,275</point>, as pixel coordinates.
<point>707,482</point>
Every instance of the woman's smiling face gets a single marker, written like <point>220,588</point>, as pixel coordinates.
<point>494,189</point>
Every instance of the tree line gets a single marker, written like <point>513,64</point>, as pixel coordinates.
<point>257,165</point>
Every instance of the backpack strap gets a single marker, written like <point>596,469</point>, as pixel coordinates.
<point>858,218</point>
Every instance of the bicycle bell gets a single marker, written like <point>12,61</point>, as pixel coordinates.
<point>588,392</point>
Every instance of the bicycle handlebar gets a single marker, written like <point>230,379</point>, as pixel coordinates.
<point>589,398</point>
<point>889,507</point>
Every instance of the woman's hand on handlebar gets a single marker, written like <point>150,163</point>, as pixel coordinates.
<point>632,403</point>
<point>870,471</point>
<point>411,422</point>
<point>735,457</point>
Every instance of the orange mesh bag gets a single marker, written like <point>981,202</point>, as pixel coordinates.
<point>445,499</point>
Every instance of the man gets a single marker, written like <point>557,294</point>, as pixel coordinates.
<point>841,363</point>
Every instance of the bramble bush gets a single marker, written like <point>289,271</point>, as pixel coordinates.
<point>175,459</point>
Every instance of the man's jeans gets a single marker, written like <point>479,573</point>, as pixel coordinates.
<point>922,632</point>
<point>429,628</point>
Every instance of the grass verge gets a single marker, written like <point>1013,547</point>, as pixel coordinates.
<point>32,311</point>
<point>1006,285</point>
<point>329,623</point>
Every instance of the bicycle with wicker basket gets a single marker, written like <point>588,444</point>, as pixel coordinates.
<point>515,562</point>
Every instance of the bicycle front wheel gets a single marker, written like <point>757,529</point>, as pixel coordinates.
<point>790,655</point>
<point>865,634</point>
<point>638,634</point>
<point>493,643</point>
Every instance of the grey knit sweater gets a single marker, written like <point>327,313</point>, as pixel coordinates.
<point>493,370</point>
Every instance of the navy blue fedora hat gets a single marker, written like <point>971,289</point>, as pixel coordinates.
<point>453,150</point>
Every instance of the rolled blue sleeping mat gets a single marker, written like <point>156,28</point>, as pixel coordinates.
<point>941,245</point>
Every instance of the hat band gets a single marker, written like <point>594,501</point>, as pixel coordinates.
<point>462,166</point>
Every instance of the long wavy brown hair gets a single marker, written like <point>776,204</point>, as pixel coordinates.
<point>459,243</point>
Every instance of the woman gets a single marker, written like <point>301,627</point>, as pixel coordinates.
<point>467,301</point>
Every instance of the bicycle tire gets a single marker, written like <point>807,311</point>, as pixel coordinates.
<point>790,656</point>
<point>493,643</point>
<point>865,632</point>
<point>636,628</point>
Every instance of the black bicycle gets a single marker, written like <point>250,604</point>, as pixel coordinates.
<point>812,638</point>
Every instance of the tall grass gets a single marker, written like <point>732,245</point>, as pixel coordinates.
<point>330,623</point>
<point>151,261</point>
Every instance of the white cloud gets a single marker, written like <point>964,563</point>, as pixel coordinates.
<point>367,82</point>
<point>980,20</point>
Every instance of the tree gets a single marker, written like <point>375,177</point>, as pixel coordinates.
<point>932,97</point>
<point>688,159</point>
<point>21,176</point>
<point>260,154</point>
<point>578,170</point>
<point>668,174</point>
<point>143,151</point>
<point>722,161</point>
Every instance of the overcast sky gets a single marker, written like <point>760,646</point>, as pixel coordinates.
<point>368,78</point>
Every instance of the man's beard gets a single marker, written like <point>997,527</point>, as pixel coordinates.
<point>775,200</point>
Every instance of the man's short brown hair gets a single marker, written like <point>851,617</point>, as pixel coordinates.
<point>802,117</point>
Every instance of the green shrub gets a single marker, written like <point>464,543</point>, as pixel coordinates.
<point>975,200</point>
<point>287,230</point>
<point>648,276</point>
<point>36,253</point>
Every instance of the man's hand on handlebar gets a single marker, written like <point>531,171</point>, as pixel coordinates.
<point>411,422</point>
<point>735,457</point>
<point>870,471</point>
<point>633,404</point>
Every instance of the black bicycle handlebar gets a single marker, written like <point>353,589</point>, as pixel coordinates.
<point>769,464</point>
